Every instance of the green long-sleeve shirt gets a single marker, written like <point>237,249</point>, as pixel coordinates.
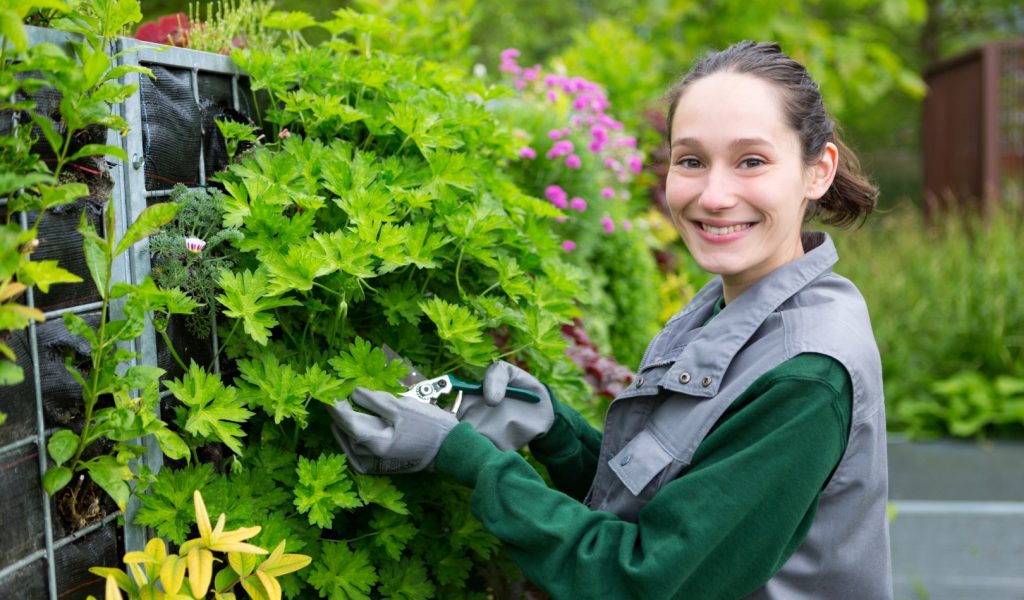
<point>720,530</point>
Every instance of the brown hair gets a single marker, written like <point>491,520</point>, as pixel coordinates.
<point>851,195</point>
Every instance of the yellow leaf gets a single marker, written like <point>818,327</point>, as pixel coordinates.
<point>202,517</point>
<point>242,563</point>
<point>271,585</point>
<point>200,571</point>
<point>172,574</point>
<point>279,563</point>
<point>138,574</point>
<point>112,592</point>
<point>11,289</point>
<point>27,312</point>
<point>253,588</point>
<point>237,547</point>
<point>224,596</point>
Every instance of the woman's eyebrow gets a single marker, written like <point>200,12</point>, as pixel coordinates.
<point>737,143</point>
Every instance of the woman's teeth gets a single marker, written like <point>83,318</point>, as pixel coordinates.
<point>724,230</point>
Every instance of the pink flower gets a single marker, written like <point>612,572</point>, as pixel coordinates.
<point>595,146</point>
<point>561,219</point>
<point>629,142</point>
<point>527,152</point>
<point>608,224</point>
<point>552,96</point>
<point>194,245</point>
<point>568,245</point>
<point>560,148</point>
<point>612,164</point>
<point>627,224</point>
<point>556,195</point>
<point>578,204</point>
<point>573,162</point>
<point>636,165</point>
<point>532,73</point>
<point>555,134</point>
<point>284,133</point>
<point>509,54</point>
<point>607,192</point>
<point>520,83</point>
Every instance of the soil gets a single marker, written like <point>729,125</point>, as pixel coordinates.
<point>79,503</point>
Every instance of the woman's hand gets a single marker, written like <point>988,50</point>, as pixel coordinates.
<point>508,422</point>
<point>404,438</point>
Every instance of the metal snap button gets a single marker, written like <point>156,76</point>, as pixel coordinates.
<point>639,381</point>
<point>625,460</point>
<point>684,378</point>
<point>706,381</point>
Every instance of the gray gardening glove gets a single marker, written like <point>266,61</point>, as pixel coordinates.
<point>404,438</point>
<point>508,422</point>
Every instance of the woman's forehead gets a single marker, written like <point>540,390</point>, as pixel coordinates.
<point>741,109</point>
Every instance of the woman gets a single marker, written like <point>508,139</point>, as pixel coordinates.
<point>748,458</point>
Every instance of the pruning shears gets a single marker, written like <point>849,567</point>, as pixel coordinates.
<point>431,391</point>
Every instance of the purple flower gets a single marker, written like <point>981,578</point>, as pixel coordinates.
<point>560,148</point>
<point>636,165</point>
<point>552,96</point>
<point>568,245</point>
<point>556,195</point>
<point>629,142</point>
<point>527,152</point>
<point>627,224</point>
<point>607,192</point>
<point>194,245</point>
<point>532,73</point>
<point>595,146</point>
<point>578,204</point>
<point>608,224</point>
<point>573,162</point>
<point>555,134</point>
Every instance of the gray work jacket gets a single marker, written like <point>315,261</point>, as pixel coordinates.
<point>691,374</point>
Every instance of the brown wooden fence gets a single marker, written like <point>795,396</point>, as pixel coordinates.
<point>974,127</point>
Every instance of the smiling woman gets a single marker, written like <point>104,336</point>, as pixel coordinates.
<point>748,458</point>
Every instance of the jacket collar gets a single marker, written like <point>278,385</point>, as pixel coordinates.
<point>708,356</point>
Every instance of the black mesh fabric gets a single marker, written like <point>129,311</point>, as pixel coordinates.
<point>27,583</point>
<point>100,547</point>
<point>59,240</point>
<point>19,401</point>
<point>171,128</point>
<point>62,396</point>
<point>188,347</point>
<point>21,496</point>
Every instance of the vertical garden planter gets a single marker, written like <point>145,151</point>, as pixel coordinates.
<point>47,545</point>
<point>958,523</point>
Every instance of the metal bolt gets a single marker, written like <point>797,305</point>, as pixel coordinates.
<point>684,378</point>
<point>137,161</point>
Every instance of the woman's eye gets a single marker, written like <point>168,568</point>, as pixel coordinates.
<point>689,163</point>
<point>751,163</point>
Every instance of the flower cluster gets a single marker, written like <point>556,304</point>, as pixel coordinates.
<point>172,30</point>
<point>598,136</point>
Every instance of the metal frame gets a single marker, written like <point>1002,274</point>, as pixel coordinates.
<point>128,200</point>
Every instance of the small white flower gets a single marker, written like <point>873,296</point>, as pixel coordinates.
<point>195,244</point>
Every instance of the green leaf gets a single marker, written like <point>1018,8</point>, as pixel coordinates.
<point>13,31</point>
<point>97,254</point>
<point>245,297</point>
<point>209,409</point>
<point>45,273</point>
<point>288,20</point>
<point>77,326</point>
<point>171,444</point>
<point>99,150</point>
<point>168,506</point>
<point>393,532</point>
<point>50,196</point>
<point>62,446</point>
<point>49,129</point>
<point>118,14</point>
<point>113,477</point>
<point>364,365</point>
<point>324,487</point>
<point>400,302</point>
<point>141,376</point>
<point>10,373</point>
<point>406,580</point>
<point>274,387</point>
<point>380,491</point>
<point>461,329</point>
<point>55,479</point>
<point>149,222</point>
<point>341,574</point>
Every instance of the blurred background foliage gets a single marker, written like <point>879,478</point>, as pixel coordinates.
<point>944,293</point>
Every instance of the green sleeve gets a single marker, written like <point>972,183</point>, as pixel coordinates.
<point>720,530</point>
<point>569,451</point>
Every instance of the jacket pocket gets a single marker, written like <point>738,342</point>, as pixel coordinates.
<point>639,463</point>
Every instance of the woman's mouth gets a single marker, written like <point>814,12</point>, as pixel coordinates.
<point>726,229</point>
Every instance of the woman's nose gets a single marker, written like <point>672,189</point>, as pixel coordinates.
<point>718,193</point>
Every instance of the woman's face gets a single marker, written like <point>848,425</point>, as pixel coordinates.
<point>737,185</point>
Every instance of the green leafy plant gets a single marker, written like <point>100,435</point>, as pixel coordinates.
<point>188,574</point>
<point>383,216</point>
<point>955,283</point>
<point>124,417</point>
<point>189,253</point>
<point>237,135</point>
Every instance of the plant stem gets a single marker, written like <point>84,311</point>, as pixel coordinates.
<point>174,353</point>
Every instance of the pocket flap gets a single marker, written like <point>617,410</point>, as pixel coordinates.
<point>639,462</point>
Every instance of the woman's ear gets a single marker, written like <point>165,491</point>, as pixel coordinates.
<point>822,172</point>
